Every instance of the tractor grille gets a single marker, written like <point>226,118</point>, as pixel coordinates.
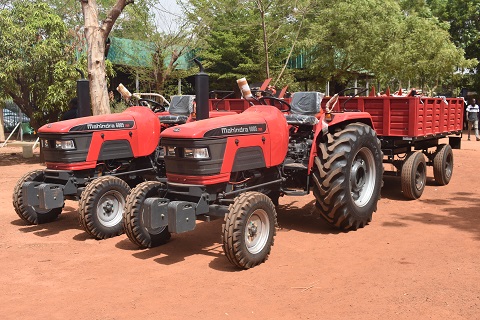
<point>180,164</point>
<point>52,153</point>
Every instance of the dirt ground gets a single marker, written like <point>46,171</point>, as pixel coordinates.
<point>415,260</point>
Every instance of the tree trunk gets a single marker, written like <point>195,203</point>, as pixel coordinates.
<point>96,38</point>
<point>290,52</point>
<point>262,9</point>
<point>96,35</point>
<point>2,133</point>
<point>265,46</point>
<point>161,72</point>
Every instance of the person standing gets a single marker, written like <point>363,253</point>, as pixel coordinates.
<point>472,118</point>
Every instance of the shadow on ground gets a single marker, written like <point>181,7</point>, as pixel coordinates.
<point>68,220</point>
<point>293,215</point>
<point>465,218</point>
<point>204,240</point>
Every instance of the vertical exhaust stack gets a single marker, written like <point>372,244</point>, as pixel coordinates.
<point>83,95</point>
<point>201,92</point>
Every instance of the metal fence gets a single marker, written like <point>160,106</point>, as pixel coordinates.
<point>11,119</point>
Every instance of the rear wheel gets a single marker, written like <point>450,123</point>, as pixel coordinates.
<point>414,175</point>
<point>102,205</point>
<point>31,214</point>
<point>249,230</point>
<point>348,176</point>
<point>140,234</point>
<point>443,164</point>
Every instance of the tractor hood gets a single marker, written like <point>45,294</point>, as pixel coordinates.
<point>126,120</point>
<point>252,121</point>
<point>133,133</point>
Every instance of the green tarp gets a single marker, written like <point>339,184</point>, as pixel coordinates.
<point>136,53</point>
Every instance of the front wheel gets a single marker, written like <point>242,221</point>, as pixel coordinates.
<point>135,228</point>
<point>414,175</point>
<point>348,176</point>
<point>102,205</point>
<point>249,230</point>
<point>32,214</point>
<point>443,164</point>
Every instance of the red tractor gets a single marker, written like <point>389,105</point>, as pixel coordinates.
<point>236,167</point>
<point>96,160</point>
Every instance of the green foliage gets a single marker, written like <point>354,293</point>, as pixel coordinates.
<point>352,35</point>
<point>463,18</point>
<point>233,60</point>
<point>118,106</point>
<point>232,37</point>
<point>393,41</point>
<point>137,22</point>
<point>37,63</point>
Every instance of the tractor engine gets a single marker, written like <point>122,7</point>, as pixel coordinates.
<point>298,151</point>
<point>296,163</point>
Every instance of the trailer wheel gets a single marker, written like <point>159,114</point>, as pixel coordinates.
<point>102,205</point>
<point>31,214</point>
<point>414,175</point>
<point>135,229</point>
<point>443,164</point>
<point>348,176</point>
<point>249,230</point>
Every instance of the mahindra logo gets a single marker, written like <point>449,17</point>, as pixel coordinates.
<point>176,130</point>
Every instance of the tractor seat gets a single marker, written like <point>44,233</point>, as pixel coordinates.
<point>180,109</point>
<point>305,106</point>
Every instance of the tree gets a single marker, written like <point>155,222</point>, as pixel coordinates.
<point>464,28</point>
<point>346,37</point>
<point>38,66</point>
<point>253,39</point>
<point>96,35</point>
<point>226,45</point>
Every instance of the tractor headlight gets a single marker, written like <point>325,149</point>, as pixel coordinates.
<point>170,151</point>
<point>196,153</point>
<point>64,144</point>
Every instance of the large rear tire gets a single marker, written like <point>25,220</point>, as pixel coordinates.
<point>249,230</point>
<point>348,176</point>
<point>443,164</point>
<point>102,205</point>
<point>141,235</point>
<point>414,175</point>
<point>31,214</point>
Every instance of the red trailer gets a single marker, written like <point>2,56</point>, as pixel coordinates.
<point>410,129</point>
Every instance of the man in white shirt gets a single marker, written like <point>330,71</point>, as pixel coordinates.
<point>472,118</point>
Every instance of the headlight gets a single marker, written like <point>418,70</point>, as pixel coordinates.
<point>170,151</point>
<point>196,153</point>
<point>64,144</point>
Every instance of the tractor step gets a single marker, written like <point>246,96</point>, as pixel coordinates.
<point>295,166</point>
<point>295,192</point>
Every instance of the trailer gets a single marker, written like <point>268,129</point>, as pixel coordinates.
<point>410,129</point>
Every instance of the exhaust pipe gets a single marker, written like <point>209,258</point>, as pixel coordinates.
<point>201,92</point>
<point>83,95</point>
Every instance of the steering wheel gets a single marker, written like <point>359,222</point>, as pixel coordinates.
<point>273,100</point>
<point>154,105</point>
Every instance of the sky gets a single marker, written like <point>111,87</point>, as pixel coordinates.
<point>166,13</point>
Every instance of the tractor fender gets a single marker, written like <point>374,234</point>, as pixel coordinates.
<point>323,127</point>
